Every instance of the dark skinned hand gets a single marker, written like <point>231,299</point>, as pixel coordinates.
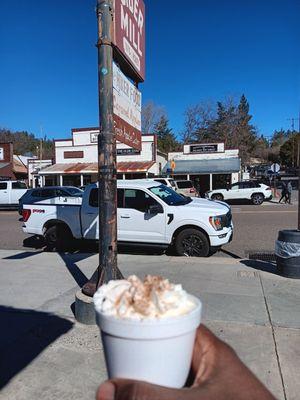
<point>216,372</point>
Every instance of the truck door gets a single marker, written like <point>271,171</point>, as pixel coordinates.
<point>136,221</point>
<point>4,195</point>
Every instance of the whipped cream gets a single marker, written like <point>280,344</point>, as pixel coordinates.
<point>152,298</point>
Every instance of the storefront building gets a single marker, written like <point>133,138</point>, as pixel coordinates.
<point>208,165</point>
<point>12,167</point>
<point>76,160</point>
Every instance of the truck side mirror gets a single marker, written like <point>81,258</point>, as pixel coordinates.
<point>155,209</point>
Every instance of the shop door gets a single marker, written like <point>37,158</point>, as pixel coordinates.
<point>201,183</point>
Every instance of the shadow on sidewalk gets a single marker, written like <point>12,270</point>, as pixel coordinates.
<point>74,270</point>
<point>24,334</point>
<point>265,266</point>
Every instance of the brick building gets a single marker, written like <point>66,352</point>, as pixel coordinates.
<point>11,166</point>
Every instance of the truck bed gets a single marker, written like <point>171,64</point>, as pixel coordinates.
<point>62,209</point>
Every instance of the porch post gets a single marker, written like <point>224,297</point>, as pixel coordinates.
<point>210,182</point>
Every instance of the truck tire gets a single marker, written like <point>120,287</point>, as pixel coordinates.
<point>217,196</point>
<point>257,199</point>
<point>192,243</point>
<point>57,237</point>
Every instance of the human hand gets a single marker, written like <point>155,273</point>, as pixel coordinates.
<point>216,374</point>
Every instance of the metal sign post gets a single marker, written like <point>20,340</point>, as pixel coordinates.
<point>107,182</point>
<point>275,168</point>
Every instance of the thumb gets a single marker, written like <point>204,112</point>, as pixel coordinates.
<point>124,389</point>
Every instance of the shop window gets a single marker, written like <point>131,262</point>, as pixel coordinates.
<point>221,181</point>
<point>87,179</point>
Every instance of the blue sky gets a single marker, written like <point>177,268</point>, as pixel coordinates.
<point>195,51</point>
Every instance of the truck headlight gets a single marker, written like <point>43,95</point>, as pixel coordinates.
<point>216,223</point>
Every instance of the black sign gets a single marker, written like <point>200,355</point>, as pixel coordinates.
<point>127,152</point>
<point>203,148</point>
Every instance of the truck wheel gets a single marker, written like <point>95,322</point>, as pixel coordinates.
<point>192,243</point>
<point>57,237</point>
<point>217,196</point>
<point>257,199</point>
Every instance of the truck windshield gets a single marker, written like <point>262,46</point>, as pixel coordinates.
<point>169,196</point>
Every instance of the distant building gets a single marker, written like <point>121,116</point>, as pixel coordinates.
<point>34,166</point>
<point>208,165</point>
<point>76,160</point>
<point>12,167</point>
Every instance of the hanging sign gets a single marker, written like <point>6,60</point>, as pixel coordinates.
<point>129,37</point>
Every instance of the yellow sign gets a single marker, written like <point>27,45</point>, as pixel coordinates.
<point>173,164</point>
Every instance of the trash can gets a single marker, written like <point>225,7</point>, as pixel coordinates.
<point>287,251</point>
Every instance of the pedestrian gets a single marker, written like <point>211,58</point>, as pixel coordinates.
<point>289,192</point>
<point>197,186</point>
<point>216,374</point>
<point>284,193</point>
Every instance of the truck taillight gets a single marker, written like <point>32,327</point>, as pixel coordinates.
<point>26,214</point>
<point>192,190</point>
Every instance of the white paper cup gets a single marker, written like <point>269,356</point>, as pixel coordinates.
<point>157,351</point>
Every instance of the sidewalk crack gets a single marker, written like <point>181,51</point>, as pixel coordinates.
<point>274,337</point>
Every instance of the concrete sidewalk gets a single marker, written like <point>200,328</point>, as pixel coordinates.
<point>46,354</point>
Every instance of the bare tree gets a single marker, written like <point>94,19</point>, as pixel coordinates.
<point>151,114</point>
<point>197,121</point>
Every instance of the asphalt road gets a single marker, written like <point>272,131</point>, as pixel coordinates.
<point>255,229</point>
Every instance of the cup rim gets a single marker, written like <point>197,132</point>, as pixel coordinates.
<point>154,321</point>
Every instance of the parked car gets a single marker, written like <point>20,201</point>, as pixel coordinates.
<point>168,182</point>
<point>149,213</point>
<point>247,190</point>
<point>186,188</point>
<point>48,192</point>
<point>10,193</point>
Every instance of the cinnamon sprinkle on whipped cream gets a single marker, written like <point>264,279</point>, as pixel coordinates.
<point>155,297</point>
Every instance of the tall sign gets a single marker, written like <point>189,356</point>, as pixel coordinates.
<point>129,35</point>
<point>127,102</point>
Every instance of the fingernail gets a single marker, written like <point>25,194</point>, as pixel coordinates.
<point>106,391</point>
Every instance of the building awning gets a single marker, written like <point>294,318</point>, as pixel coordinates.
<point>92,168</point>
<point>208,166</point>
<point>134,166</point>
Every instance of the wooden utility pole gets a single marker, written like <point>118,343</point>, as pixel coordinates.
<point>107,171</point>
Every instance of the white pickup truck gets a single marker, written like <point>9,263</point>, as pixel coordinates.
<point>11,192</point>
<point>149,213</point>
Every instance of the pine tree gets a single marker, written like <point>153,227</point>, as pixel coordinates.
<point>246,134</point>
<point>166,140</point>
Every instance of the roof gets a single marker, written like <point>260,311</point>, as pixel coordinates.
<point>214,166</point>
<point>3,164</point>
<point>90,168</point>
<point>18,166</point>
<point>134,166</point>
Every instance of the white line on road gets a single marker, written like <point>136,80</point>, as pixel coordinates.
<point>266,211</point>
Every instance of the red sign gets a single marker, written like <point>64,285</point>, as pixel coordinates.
<point>130,33</point>
<point>126,133</point>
